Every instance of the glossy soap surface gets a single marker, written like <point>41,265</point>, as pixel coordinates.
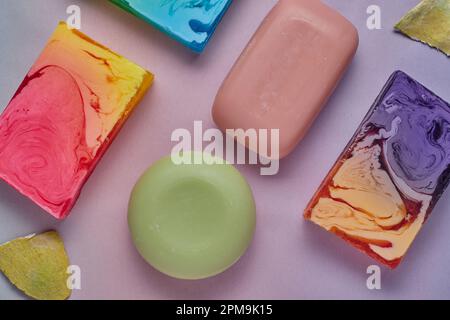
<point>286,73</point>
<point>191,221</point>
<point>387,181</point>
<point>191,22</point>
<point>64,116</point>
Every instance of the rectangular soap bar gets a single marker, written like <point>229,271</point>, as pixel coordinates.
<point>388,179</point>
<point>64,116</point>
<point>191,22</point>
<point>287,71</point>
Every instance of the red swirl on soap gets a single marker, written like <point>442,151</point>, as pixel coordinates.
<point>63,117</point>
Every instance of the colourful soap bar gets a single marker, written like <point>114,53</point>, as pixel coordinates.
<point>63,117</point>
<point>428,22</point>
<point>191,22</point>
<point>287,71</point>
<point>192,221</point>
<point>388,179</point>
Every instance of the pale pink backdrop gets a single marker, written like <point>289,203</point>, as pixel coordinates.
<point>289,258</point>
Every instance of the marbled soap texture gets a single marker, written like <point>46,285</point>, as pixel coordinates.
<point>191,22</point>
<point>64,116</point>
<point>388,179</point>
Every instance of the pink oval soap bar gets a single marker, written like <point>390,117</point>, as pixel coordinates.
<point>287,71</point>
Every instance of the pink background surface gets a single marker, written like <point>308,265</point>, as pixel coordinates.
<point>289,258</point>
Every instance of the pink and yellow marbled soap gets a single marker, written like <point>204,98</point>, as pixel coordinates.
<point>64,116</point>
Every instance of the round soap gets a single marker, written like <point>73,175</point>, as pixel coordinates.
<point>191,221</point>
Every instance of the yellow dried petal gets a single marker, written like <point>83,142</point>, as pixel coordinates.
<point>37,265</point>
<point>428,22</point>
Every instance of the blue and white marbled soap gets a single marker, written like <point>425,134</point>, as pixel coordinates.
<point>191,22</point>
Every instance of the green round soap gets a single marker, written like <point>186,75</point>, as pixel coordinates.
<point>191,221</point>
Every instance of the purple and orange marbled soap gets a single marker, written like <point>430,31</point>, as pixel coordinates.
<point>388,179</point>
<point>64,116</point>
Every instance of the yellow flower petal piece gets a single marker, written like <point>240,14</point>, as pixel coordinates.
<point>428,22</point>
<point>37,265</point>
